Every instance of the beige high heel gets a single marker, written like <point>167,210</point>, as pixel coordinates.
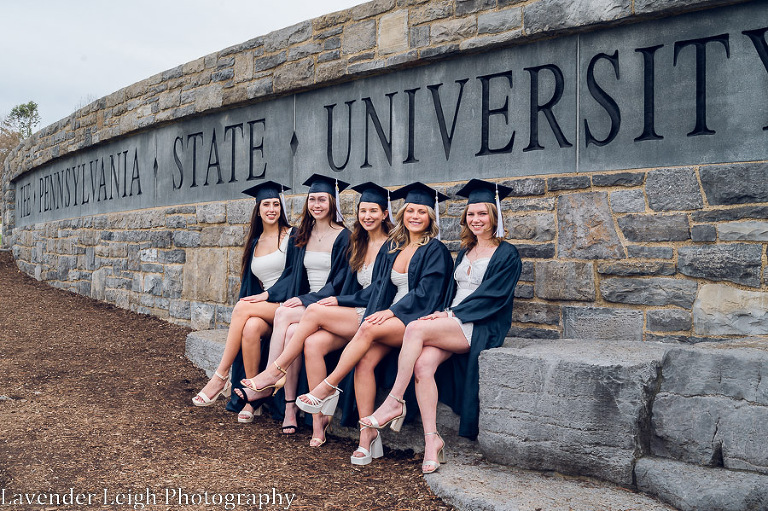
<point>315,405</point>
<point>318,442</point>
<point>429,467</point>
<point>202,400</point>
<point>395,423</point>
<point>279,384</point>
<point>375,450</point>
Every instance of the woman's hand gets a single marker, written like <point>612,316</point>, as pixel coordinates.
<point>380,317</point>
<point>435,315</point>
<point>330,301</point>
<point>255,298</point>
<point>292,302</point>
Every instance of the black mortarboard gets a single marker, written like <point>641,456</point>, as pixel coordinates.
<point>319,183</point>
<point>371,192</point>
<point>266,190</point>
<point>477,190</point>
<point>419,193</point>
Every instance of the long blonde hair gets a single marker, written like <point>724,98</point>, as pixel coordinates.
<point>468,238</point>
<point>400,237</point>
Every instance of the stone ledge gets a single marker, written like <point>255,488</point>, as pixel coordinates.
<point>692,488</point>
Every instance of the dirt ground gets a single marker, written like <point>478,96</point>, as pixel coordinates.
<point>96,400</point>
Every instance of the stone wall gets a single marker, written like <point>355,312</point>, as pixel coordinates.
<point>606,255</point>
<point>671,254</point>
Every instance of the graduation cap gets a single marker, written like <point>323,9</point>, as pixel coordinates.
<point>266,190</point>
<point>477,191</point>
<point>371,192</point>
<point>319,183</point>
<point>419,193</point>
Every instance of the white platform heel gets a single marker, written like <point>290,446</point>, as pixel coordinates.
<point>375,450</point>
<point>315,405</point>
<point>202,400</point>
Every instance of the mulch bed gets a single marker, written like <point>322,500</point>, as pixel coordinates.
<point>95,398</point>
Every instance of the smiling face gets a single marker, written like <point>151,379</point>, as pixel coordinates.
<point>269,211</point>
<point>370,215</point>
<point>319,205</point>
<point>416,218</point>
<point>479,220</point>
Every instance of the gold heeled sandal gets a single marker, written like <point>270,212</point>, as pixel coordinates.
<point>202,400</point>
<point>318,442</point>
<point>428,467</point>
<point>279,384</point>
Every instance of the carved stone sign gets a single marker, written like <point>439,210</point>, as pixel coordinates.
<point>686,90</point>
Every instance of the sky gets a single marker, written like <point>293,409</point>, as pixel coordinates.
<point>64,54</point>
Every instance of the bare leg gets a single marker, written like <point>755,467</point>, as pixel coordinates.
<point>443,333</point>
<point>426,395</point>
<point>389,333</point>
<point>365,390</point>
<point>290,424</point>
<point>242,312</point>
<point>341,321</point>
<point>316,347</point>
<point>255,329</point>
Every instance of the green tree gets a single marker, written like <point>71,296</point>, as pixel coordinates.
<point>24,118</point>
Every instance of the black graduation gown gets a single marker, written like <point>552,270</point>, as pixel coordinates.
<point>489,307</point>
<point>429,278</point>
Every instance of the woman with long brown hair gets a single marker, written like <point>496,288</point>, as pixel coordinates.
<point>316,269</point>
<point>262,264</point>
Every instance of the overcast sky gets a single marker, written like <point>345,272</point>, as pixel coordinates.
<point>63,54</point>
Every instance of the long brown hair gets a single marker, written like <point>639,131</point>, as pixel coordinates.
<point>307,221</point>
<point>358,241</point>
<point>257,228</point>
<point>468,238</point>
<point>400,236</point>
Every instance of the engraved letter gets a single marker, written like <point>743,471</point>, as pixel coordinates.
<point>329,147</point>
<point>546,108</point>
<point>604,99</point>
<point>227,129</point>
<point>254,148</point>
<point>386,143</point>
<point>649,95</point>
<point>487,112</point>
<point>758,39</point>
<point>447,137</point>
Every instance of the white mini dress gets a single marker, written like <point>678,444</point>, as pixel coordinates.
<point>268,268</point>
<point>318,266</point>
<point>364,278</point>
<point>468,276</point>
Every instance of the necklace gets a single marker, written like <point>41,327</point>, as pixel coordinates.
<point>318,236</point>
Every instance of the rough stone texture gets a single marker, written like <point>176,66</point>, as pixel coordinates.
<point>534,227</point>
<point>668,320</point>
<point>452,30</point>
<point>562,14</point>
<point>568,183</point>
<point>691,488</point>
<point>635,269</point>
<point>393,32</point>
<point>533,312</point>
<point>652,291</point>
<point>602,323</point>
<point>565,280</point>
<point>570,406</point>
<point>618,179</point>
<point>711,408</point>
<point>628,201</point>
<point>673,190</point>
<point>203,278</point>
<point>585,227</point>
<point>743,231</point>
<point>735,184</point>
<point>703,233</point>
<point>640,228</point>
<point>499,21</point>
<point>359,37</point>
<point>726,310</point>
<point>653,252</point>
<point>740,263</point>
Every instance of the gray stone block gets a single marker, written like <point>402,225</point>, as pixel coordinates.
<point>524,187</point>
<point>703,233</point>
<point>602,323</point>
<point>743,231</point>
<point>533,226</point>
<point>532,333</point>
<point>692,488</point>
<point>739,183</point>
<point>585,227</point>
<point>628,201</point>
<point>635,269</point>
<point>638,227</point>
<point>565,280</point>
<point>569,406</point>
<point>618,179</point>
<point>673,190</point>
<point>542,251</point>
<point>359,36</point>
<point>533,312</point>
<point>469,6</point>
<point>726,310</point>
<point>523,291</point>
<point>568,183</point>
<point>547,204</point>
<point>725,215</point>
<point>527,273</point>
<point>740,263</point>
<point>668,320</point>
<point>652,252</point>
<point>553,15</point>
<point>651,291</point>
<point>499,21</point>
